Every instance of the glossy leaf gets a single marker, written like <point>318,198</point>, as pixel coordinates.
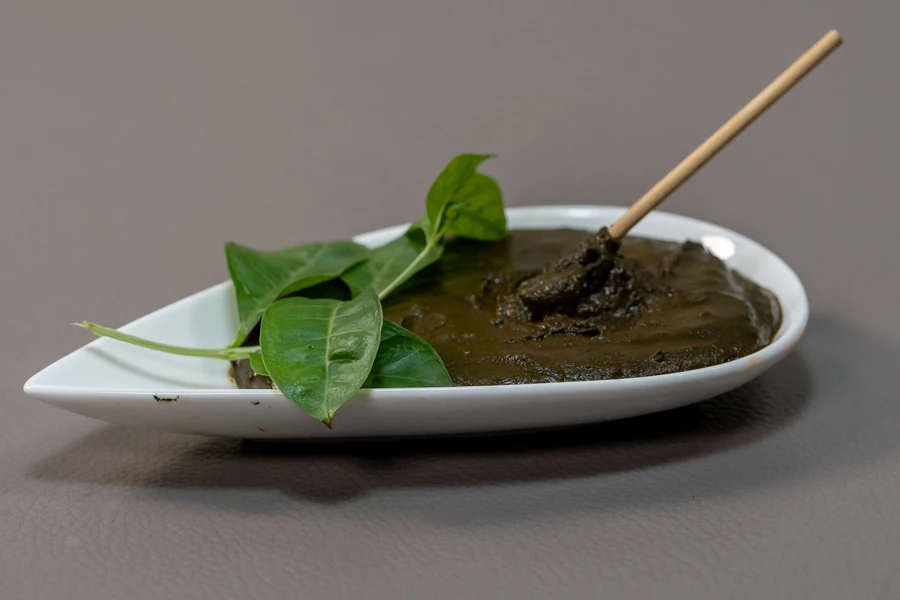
<point>319,352</point>
<point>260,278</point>
<point>405,360</point>
<point>447,187</point>
<point>477,213</point>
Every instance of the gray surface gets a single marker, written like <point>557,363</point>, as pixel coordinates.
<point>135,138</point>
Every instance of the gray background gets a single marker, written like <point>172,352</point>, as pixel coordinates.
<point>137,137</point>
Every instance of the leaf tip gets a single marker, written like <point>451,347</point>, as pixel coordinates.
<point>327,422</point>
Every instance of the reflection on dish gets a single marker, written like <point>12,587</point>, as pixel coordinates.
<point>718,245</point>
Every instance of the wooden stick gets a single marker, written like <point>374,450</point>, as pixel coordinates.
<point>725,134</point>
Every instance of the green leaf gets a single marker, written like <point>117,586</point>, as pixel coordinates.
<point>393,264</point>
<point>319,352</point>
<point>421,224</point>
<point>404,360</point>
<point>475,207</point>
<point>257,364</point>
<point>477,213</point>
<point>447,187</point>
<point>260,278</point>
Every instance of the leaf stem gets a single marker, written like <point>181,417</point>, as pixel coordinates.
<point>223,353</point>
<point>409,270</point>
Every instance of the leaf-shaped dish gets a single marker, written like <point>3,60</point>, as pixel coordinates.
<point>120,383</point>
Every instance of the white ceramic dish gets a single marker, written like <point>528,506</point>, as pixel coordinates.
<point>116,382</point>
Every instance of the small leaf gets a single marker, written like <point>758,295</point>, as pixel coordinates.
<point>404,360</point>
<point>478,213</point>
<point>260,278</point>
<point>319,352</point>
<point>447,187</point>
<point>393,264</point>
<point>257,364</point>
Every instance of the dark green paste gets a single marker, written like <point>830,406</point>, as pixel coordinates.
<point>497,314</point>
